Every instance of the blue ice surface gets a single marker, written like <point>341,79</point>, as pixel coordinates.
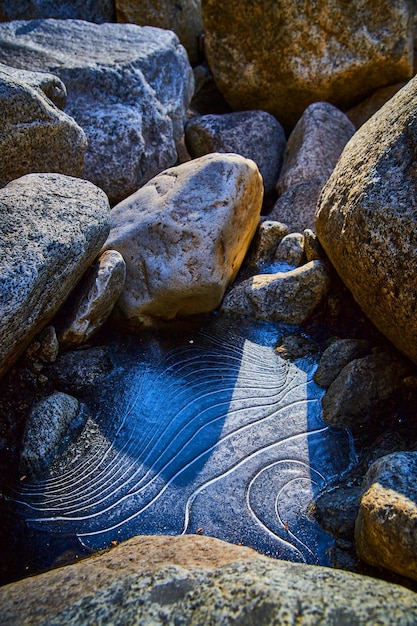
<point>204,430</point>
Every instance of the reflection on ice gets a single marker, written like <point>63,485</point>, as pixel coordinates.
<point>210,430</point>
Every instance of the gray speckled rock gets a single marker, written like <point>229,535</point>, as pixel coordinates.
<point>75,371</point>
<point>35,136</point>
<point>94,300</point>
<point>265,242</point>
<point>194,580</point>
<point>336,356</point>
<point>363,389</point>
<point>386,526</point>
<point>48,429</point>
<point>51,229</point>
<point>184,235</point>
<point>288,297</point>
<point>89,10</point>
<point>366,219</point>
<point>49,84</point>
<point>297,205</point>
<point>128,88</point>
<point>256,135</point>
<point>281,56</point>
<point>291,250</point>
<point>183,17</point>
<point>314,145</point>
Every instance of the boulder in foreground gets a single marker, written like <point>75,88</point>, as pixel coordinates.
<point>199,580</point>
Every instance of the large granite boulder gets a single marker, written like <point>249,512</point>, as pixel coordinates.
<point>367,214</point>
<point>90,10</point>
<point>183,17</point>
<point>281,56</point>
<point>200,580</point>
<point>35,136</point>
<point>255,135</point>
<point>128,88</point>
<point>52,226</point>
<point>184,235</point>
<point>386,526</point>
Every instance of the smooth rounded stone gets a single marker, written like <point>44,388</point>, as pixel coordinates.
<point>47,431</point>
<point>36,136</point>
<point>312,247</point>
<point>52,228</point>
<point>265,242</point>
<point>201,580</point>
<point>386,526</point>
<point>49,84</point>
<point>364,389</point>
<point>90,10</point>
<point>314,145</point>
<point>366,219</point>
<point>183,17</point>
<point>361,113</point>
<point>287,297</point>
<point>337,356</point>
<point>282,56</point>
<point>297,206</point>
<point>94,300</point>
<point>336,509</point>
<point>291,250</point>
<point>184,235</point>
<point>128,87</point>
<point>45,347</point>
<point>256,135</point>
<point>76,370</point>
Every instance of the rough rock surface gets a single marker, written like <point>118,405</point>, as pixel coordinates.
<point>52,227</point>
<point>262,249</point>
<point>49,84</point>
<point>282,56</point>
<point>314,145</point>
<point>48,424</point>
<point>361,113</point>
<point>297,206</point>
<point>128,88</point>
<point>199,580</point>
<point>255,135</point>
<point>35,136</point>
<point>337,356</point>
<point>76,370</point>
<point>363,389</point>
<point>291,250</point>
<point>184,235</point>
<point>183,17</point>
<point>386,526</point>
<point>95,298</point>
<point>90,10</point>
<point>367,215</point>
<point>288,297</point>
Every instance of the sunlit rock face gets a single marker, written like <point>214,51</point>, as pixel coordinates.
<point>205,430</point>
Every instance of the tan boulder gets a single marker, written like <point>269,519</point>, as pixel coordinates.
<point>281,56</point>
<point>184,235</point>
<point>366,219</point>
<point>200,580</point>
<point>386,526</point>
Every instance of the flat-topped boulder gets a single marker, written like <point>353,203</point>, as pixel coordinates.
<point>128,88</point>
